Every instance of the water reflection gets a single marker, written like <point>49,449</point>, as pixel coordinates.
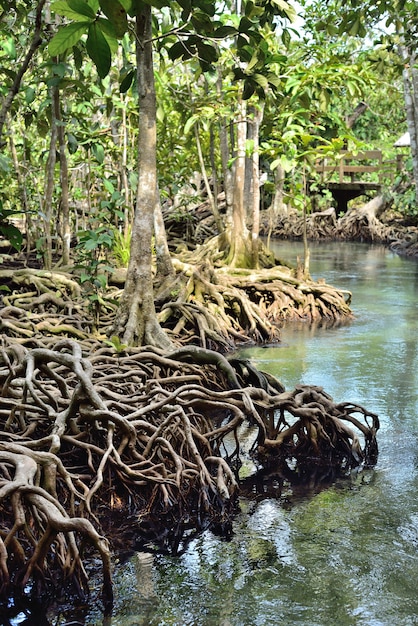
<point>345,555</point>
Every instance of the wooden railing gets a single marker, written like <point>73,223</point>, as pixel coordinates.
<point>351,165</point>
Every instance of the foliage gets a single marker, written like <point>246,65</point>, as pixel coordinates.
<point>121,246</point>
<point>404,200</point>
<point>93,248</point>
<point>8,230</point>
<point>310,84</point>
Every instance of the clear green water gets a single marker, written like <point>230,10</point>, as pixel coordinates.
<point>343,556</point>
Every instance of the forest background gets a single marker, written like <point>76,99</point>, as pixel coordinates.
<point>239,92</point>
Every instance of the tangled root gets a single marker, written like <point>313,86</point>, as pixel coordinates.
<point>146,442</point>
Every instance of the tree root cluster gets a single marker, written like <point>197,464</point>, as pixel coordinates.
<point>358,224</point>
<point>102,451</point>
<point>204,304</point>
<point>219,308</point>
<point>36,303</point>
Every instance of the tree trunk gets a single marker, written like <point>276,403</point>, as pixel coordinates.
<point>277,206</point>
<point>410,80</point>
<point>124,182</point>
<point>49,185</point>
<point>65,226</point>
<point>255,162</point>
<point>164,264</point>
<point>223,144</point>
<point>211,197</point>
<point>306,251</point>
<point>21,187</point>
<point>239,254</point>
<point>14,89</point>
<point>136,322</point>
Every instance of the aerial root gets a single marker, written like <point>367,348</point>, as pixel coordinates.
<point>205,304</point>
<point>146,442</point>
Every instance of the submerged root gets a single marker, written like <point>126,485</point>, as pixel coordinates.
<point>146,442</point>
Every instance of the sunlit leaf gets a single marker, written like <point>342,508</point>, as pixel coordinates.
<point>190,123</point>
<point>9,47</point>
<point>62,7</point>
<point>67,37</point>
<point>82,7</point>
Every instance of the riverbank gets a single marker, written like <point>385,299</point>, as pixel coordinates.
<point>398,233</point>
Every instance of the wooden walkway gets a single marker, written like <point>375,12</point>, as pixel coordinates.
<point>352,175</point>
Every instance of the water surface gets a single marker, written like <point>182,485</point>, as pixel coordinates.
<point>344,556</point>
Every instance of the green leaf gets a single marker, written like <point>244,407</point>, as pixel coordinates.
<point>224,31</point>
<point>94,5</point>
<point>13,234</point>
<point>287,164</point>
<point>82,7</point>
<point>116,13</point>
<point>207,52</point>
<point>286,8</point>
<point>67,37</point>
<point>274,80</point>
<point>108,185</point>
<point>62,7</point>
<point>160,114</point>
<point>91,244</point>
<point>72,143</point>
<point>98,50</point>
<point>127,82</point>
<point>245,25</point>
<point>4,163</point>
<point>30,95</point>
<point>253,61</point>
<point>248,90</point>
<point>98,152</point>
<point>261,80</point>
<point>206,5</point>
<point>286,38</point>
<point>190,123</point>
<point>177,50</point>
<point>78,57</point>
<point>116,343</point>
<point>186,5</point>
<point>9,48</point>
<point>100,281</point>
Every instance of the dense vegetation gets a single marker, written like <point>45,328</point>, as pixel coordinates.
<point>146,145</point>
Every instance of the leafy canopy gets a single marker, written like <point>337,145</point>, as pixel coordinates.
<point>198,31</point>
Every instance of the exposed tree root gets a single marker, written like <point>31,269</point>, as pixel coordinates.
<point>139,446</point>
<point>218,307</point>
<point>205,304</point>
<point>361,223</point>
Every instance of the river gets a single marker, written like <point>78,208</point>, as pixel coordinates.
<point>343,556</point>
